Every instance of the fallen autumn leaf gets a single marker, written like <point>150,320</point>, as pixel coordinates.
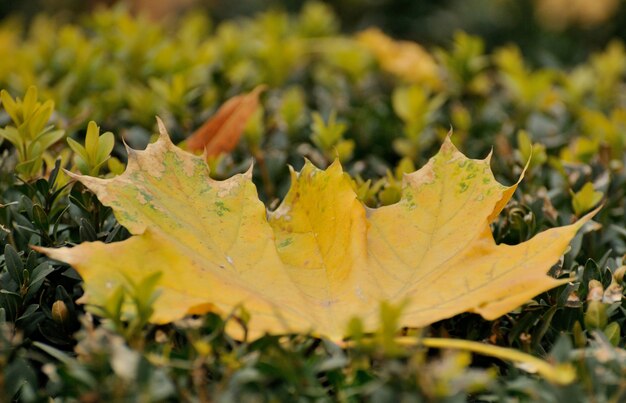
<point>321,257</point>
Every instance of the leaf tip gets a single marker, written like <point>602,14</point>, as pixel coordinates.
<point>307,167</point>
<point>292,173</point>
<point>39,249</point>
<point>131,152</point>
<point>489,156</point>
<point>248,173</point>
<point>164,136</point>
<point>448,145</point>
<point>161,126</point>
<point>335,166</point>
<point>259,89</point>
<point>72,175</point>
<point>90,181</point>
<point>587,217</point>
<point>128,149</point>
<point>52,253</point>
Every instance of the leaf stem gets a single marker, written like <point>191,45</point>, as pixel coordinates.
<point>561,374</point>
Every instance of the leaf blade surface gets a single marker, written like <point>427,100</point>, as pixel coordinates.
<point>321,257</point>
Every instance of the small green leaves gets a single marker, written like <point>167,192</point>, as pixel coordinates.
<point>600,306</point>
<point>139,297</point>
<point>28,277</point>
<point>466,65</point>
<point>21,293</point>
<point>37,277</point>
<point>585,199</point>
<point>612,333</point>
<point>29,134</point>
<point>13,264</point>
<point>29,111</point>
<point>96,151</point>
<point>328,136</point>
<point>416,107</point>
<point>292,111</point>
<point>596,317</point>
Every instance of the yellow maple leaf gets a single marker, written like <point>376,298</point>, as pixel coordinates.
<point>321,257</point>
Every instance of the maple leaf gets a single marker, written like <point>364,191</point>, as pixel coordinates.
<point>321,257</point>
<point>221,133</point>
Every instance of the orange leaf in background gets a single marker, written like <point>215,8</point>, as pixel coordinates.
<point>221,133</point>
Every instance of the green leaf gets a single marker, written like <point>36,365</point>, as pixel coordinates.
<point>612,332</point>
<point>45,140</point>
<point>91,140</point>
<point>586,199</point>
<point>38,276</point>
<point>11,302</point>
<point>14,264</point>
<point>105,146</point>
<point>595,316</point>
<point>37,121</point>
<point>31,167</point>
<point>40,218</point>
<point>10,106</point>
<point>77,148</point>
<point>13,135</point>
<point>30,101</point>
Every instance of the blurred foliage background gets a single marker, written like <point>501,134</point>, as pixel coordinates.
<point>547,31</point>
